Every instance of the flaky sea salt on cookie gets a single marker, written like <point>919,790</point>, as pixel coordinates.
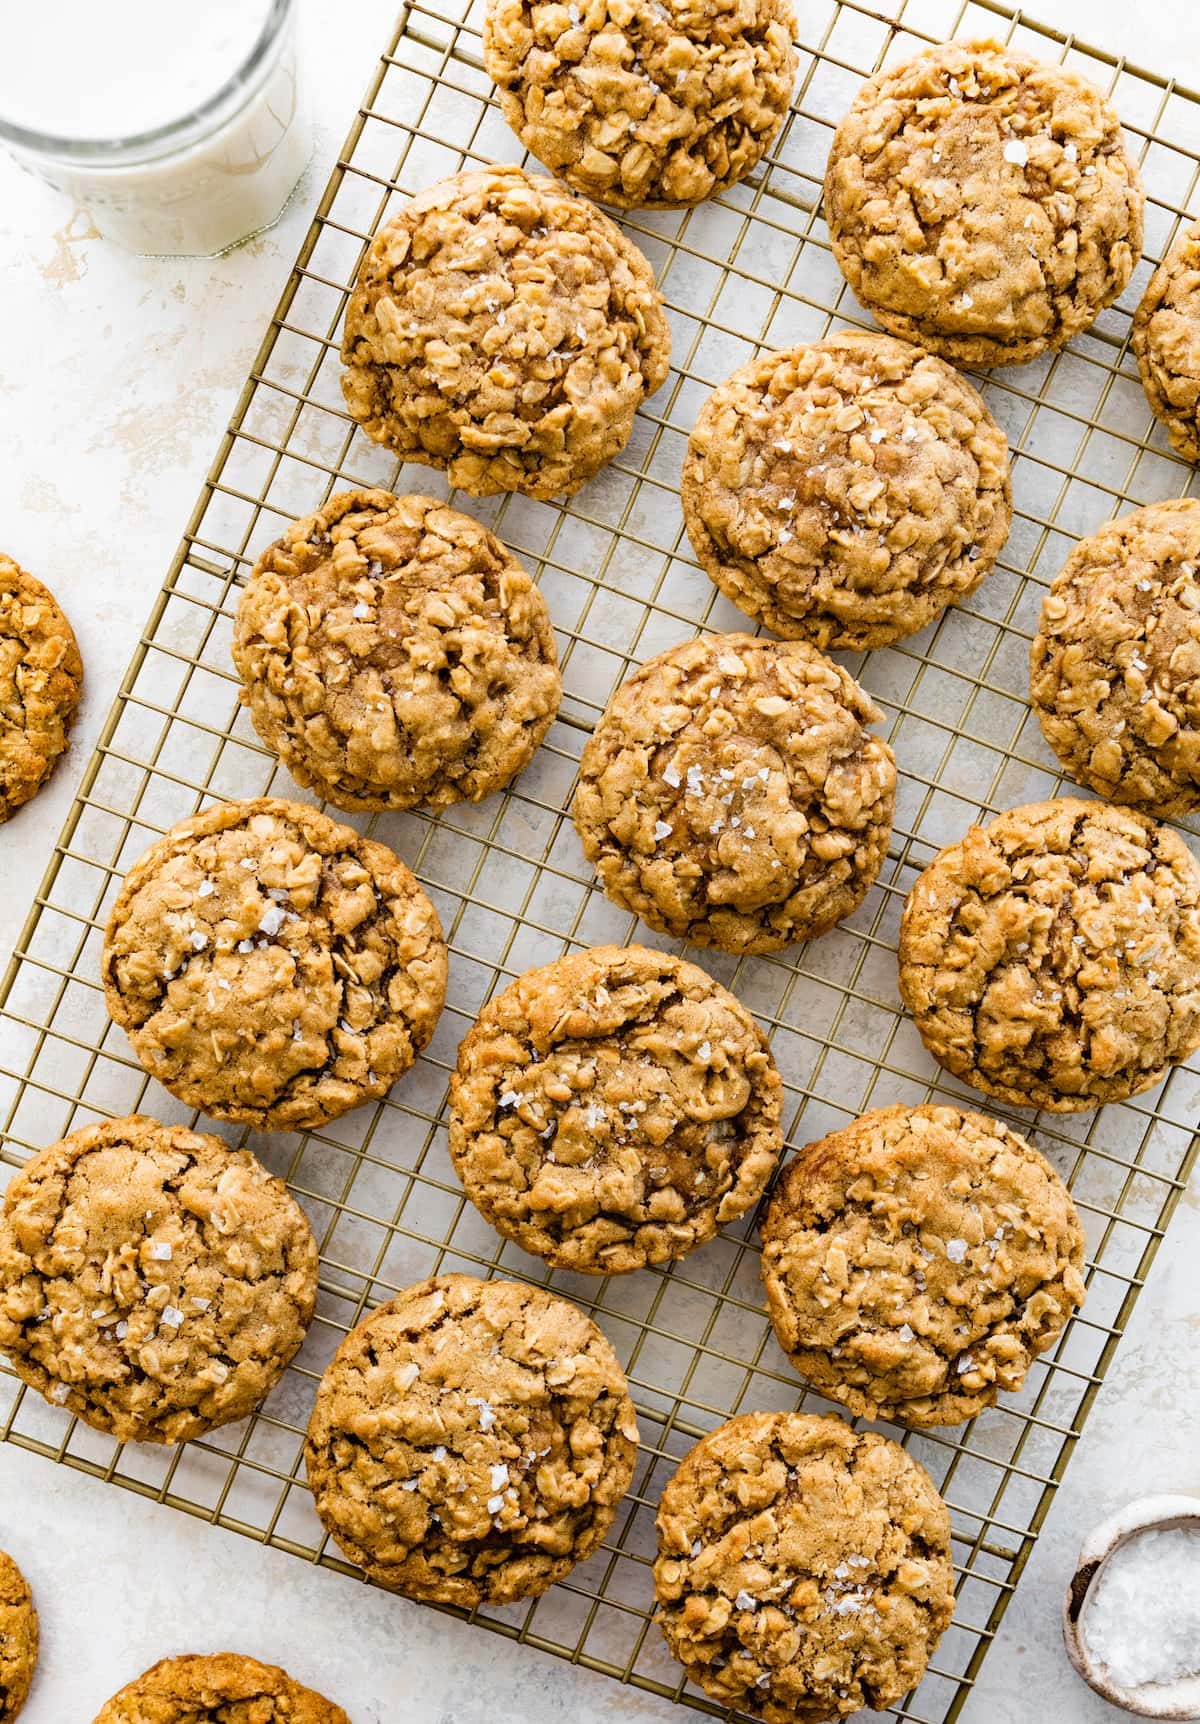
<point>643,106</point>
<point>1052,957</point>
<point>503,329</point>
<point>393,653</point>
<point>471,1441</point>
<point>917,1261</point>
<point>733,796</point>
<point>613,1109</point>
<point>983,203</point>
<point>1114,672</point>
<point>847,491</point>
<point>272,966</point>
<point>803,1568</point>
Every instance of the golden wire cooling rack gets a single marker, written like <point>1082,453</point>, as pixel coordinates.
<point>751,269</point>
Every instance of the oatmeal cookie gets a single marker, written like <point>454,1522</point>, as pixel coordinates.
<point>917,1262</point>
<point>471,1441</point>
<point>224,1688</point>
<point>803,1568</point>
<point>1115,667</point>
<point>505,330</point>
<point>731,795</point>
<point>613,1109</point>
<point>18,1639</point>
<point>1052,957</point>
<point>152,1281</point>
<point>271,966</point>
<point>643,107</point>
<point>847,491</point>
<point>41,679</point>
<point>1166,342</point>
<point>983,203</point>
<point>393,653</point>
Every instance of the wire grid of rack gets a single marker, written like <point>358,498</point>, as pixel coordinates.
<point>750,270</point>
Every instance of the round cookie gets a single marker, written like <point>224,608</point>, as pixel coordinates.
<point>504,330</point>
<point>613,1109</point>
<point>271,966</point>
<point>847,491</point>
<point>1115,666</point>
<point>393,653</point>
<point>982,203</point>
<point>18,1639</point>
<point>731,795</point>
<point>643,107</point>
<point>471,1441</point>
<point>152,1281</point>
<point>1166,342</point>
<point>917,1262</point>
<point>1052,957</point>
<point>224,1688</point>
<point>41,679</point>
<point>803,1568</point>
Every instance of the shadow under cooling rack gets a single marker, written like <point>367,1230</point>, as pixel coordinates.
<point>750,270</point>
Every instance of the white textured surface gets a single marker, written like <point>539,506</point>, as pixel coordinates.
<point>116,378</point>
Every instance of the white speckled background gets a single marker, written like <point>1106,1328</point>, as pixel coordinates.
<point>116,377</point>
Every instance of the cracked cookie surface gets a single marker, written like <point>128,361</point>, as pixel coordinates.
<point>982,203</point>
<point>18,1639</point>
<point>1166,342</point>
<point>503,329</point>
<point>271,966</point>
<point>918,1261</point>
<point>153,1282</point>
<point>222,1688</point>
<point>393,653</point>
<point>731,795</point>
<point>471,1441</point>
<point>845,492</point>
<point>41,679</point>
<point>613,1109</point>
<point>1115,666</point>
<point>643,107</point>
<point>803,1568</point>
<point>1052,957</point>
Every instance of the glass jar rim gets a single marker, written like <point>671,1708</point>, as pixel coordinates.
<point>189,127</point>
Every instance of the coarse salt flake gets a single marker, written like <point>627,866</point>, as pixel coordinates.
<point>1017,150</point>
<point>362,610</point>
<point>746,1600</point>
<point>495,1504</point>
<point>161,1251</point>
<point>172,1315</point>
<point>271,920</point>
<point>662,829</point>
<point>499,1474</point>
<point>956,1250</point>
<point>487,1417</point>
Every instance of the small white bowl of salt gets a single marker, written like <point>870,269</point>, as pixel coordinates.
<point>1132,1615</point>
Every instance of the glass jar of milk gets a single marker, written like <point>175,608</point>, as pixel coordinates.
<point>175,122</point>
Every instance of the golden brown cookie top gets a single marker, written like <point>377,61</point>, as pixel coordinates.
<point>41,679</point>
<point>1166,342</point>
<point>1115,666</point>
<point>152,1281</point>
<point>471,1441</point>
<point>845,492</point>
<point>505,330</point>
<point>270,965</point>
<point>803,1568</point>
<point>1052,957</point>
<point>18,1639</point>
<point>613,1109</point>
<point>983,203</point>
<point>643,106</point>
<point>918,1261</point>
<point>732,796</point>
<point>393,653</point>
<point>224,1688</point>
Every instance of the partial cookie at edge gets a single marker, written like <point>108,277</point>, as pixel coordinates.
<point>41,680</point>
<point>18,1639</point>
<point>203,1688</point>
